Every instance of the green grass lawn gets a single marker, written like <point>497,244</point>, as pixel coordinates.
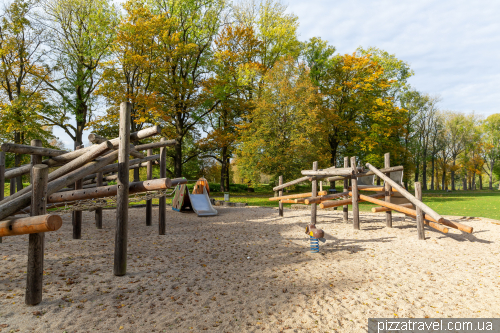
<point>479,203</point>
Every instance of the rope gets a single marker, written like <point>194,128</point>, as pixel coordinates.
<point>93,204</point>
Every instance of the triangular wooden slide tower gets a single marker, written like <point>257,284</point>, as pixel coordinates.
<point>181,201</point>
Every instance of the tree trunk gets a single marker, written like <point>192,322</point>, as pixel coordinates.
<point>453,174</point>
<point>464,183</point>
<point>18,160</point>
<point>470,181</point>
<point>178,158</point>
<point>490,185</point>
<point>480,181</point>
<point>432,172</point>
<point>222,175</point>
<point>424,172</point>
<point>473,181</point>
<point>443,178</point>
<point>228,167</point>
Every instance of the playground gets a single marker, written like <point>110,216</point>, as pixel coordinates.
<point>250,270</point>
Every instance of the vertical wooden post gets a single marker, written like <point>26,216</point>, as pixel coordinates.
<point>314,194</point>
<point>321,186</point>
<point>2,178</point>
<point>120,263</point>
<point>12,186</point>
<point>280,193</point>
<point>388,188</point>
<point>77,214</point>
<point>98,211</point>
<point>34,276</point>
<point>149,203</point>
<point>36,159</point>
<point>161,203</point>
<point>355,195</point>
<point>345,208</point>
<point>420,215</point>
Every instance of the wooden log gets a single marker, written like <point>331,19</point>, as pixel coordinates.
<point>314,190</point>
<point>293,182</point>
<point>420,215</point>
<point>145,133</point>
<point>120,262</point>
<point>329,172</point>
<point>384,209</point>
<point>31,150</point>
<point>97,139</point>
<point>288,201</point>
<point>112,190</point>
<point>149,203</point>
<point>371,188</point>
<point>88,186</point>
<point>368,173</point>
<point>2,178</point>
<point>34,272</point>
<point>62,171</point>
<point>296,196</point>
<point>30,225</point>
<point>154,145</point>
<point>114,167</point>
<point>98,211</point>
<point>355,197</point>
<point>406,194</point>
<point>387,189</point>
<point>161,200</point>
<point>23,201</point>
<point>407,211</point>
<point>345,208</point>
<point>280,193</point>
<point>300,201</point>
<point>337,203</point>
<point>77,215</point>
<point>324,197</point>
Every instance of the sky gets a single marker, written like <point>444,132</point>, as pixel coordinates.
<point>453,46</point>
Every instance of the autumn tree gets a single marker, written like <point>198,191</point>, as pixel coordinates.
<point>23,101</point>
<point>280,136</point>
<point>234,67</point>
<point>491,129</point>
<point>80,35</point>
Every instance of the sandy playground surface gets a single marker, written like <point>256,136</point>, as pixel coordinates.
<point>248,270</point>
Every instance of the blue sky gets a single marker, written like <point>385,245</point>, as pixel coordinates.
<point>452,45</point>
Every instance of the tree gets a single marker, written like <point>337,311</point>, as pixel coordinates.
<point>234,67</point>
<point>182,61</point>
<point>81,33</point>
<point>356,113</point>
<point>492,140</point>
<point>278,137</point>
<point>23,101</point>
<point>456,126</point>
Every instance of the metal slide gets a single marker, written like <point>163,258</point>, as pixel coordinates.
<point>201,205</point>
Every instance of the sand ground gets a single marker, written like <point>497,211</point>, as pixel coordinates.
<point>247,270</point>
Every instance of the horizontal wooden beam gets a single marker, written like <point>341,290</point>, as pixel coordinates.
<point>337,203</point>
<point>156,145</point>
<point>385,209</point>
<point>30,225</point>
<point>372,188</point>
<point>295,196</point>
<point>328,172</point>
<point>368,173</point>
<point>31,150</point>
<point>107,191</point>
<point>327,197</point>
<point>293,182</point>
